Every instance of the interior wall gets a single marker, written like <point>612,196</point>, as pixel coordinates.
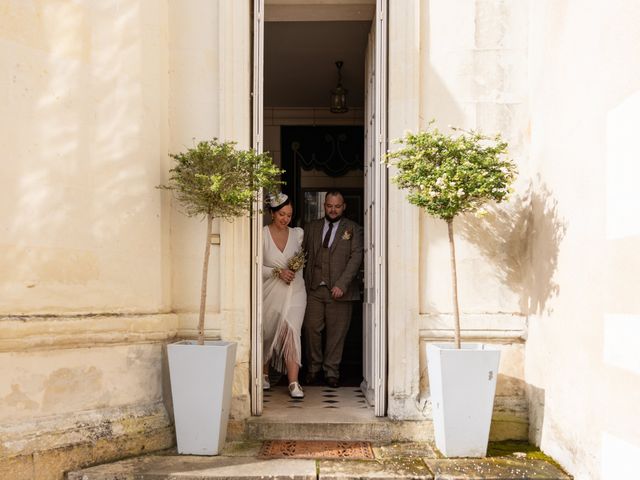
<point>582,365</point>
<point>275,118</point>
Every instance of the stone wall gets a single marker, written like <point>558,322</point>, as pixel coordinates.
<point>81,390</point>
<point>460,63</point>
<point>210,97</point>
<point>84,254</point>
<point>99,269</point>
<point>582,363</point>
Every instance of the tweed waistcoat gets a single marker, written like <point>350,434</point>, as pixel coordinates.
<point>321,270</point>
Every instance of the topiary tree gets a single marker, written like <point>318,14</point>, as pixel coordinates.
<point>214,179</point>
<point>451,174</point>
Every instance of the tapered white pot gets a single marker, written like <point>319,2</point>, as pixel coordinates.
<point>201,383</point>
<point>463,384</point>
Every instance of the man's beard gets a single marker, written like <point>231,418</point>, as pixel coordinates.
<point>332,220</point>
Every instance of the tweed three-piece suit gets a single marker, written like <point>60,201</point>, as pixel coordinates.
<point>334,266</point>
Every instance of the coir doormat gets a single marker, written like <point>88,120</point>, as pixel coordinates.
<point>316,449</point>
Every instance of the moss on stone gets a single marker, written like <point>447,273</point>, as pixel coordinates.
<point>509,447</point>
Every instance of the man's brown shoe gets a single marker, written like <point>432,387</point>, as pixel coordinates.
<point>333,382</point>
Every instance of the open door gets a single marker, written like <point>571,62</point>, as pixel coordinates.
<point>256,227</point>
<point>374,384</point>
<point>375,221</point>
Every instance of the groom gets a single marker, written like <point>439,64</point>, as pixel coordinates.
<point>334,246</point>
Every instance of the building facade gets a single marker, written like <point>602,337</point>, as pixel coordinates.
<point>99,269</point>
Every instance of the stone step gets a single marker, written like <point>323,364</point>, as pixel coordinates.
<point>241,461</point>
<point>381,430</point>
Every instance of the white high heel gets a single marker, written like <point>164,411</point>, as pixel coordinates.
<point>265,382</point>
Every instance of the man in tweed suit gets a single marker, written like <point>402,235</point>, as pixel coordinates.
<point>334,245</point>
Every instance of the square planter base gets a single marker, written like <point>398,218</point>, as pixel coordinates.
<point>201,382</point>
<point>463,384</point>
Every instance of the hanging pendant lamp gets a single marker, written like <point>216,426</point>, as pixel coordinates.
<point>339,94</point>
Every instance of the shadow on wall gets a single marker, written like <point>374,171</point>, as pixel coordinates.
<point>521,239</point>
<point>84,172</point>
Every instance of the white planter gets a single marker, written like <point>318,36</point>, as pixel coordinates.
<point>201,382</point>
<point>463,385</point>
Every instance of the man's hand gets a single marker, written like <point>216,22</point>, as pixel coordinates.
<point>336,293</point>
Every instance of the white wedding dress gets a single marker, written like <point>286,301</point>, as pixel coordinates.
<point>283,305</point>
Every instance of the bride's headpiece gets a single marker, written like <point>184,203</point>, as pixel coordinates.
<point>274,201</point>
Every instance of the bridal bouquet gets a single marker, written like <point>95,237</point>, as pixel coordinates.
<point>298,261</point>
<point>294,264</point>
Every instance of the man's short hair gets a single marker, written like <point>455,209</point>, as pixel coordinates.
<point>334,193</point>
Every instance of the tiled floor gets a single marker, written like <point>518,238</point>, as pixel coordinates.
<point>321,404</point>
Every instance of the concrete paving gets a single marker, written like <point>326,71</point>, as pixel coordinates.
<point>240,460</point>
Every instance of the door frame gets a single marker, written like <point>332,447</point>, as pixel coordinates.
<point>379,345</point>
<point>257,141</point>
<point>379,229</point>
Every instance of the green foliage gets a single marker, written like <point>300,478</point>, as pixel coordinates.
<point>215,179</point>
<point>452,174</point>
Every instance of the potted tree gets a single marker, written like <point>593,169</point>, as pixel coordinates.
<point>449,175</point>
<point>211,180</point>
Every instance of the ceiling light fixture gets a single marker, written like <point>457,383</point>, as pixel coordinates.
<point>339,94</point>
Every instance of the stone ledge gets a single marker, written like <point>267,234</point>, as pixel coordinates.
<point>494,327</point>
<point>52,464</point>
<point>52,332</point>
<point>63,431</point>
<point>44,450</point>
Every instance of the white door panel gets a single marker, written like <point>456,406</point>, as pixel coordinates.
<point>256,233</point>
<point>374,330</point>
<point>380,212</point>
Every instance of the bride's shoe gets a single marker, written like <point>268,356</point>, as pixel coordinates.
<point>265,382</point>
<point>295,390</point>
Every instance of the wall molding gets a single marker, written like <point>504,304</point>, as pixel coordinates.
<point>493,327</point>
<point>19,333</point>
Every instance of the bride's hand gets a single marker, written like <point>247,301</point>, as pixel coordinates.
<point>287,276</point>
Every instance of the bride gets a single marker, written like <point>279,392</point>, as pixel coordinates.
<point>284,295</point>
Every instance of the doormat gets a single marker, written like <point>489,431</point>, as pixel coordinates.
<point>316,449</point>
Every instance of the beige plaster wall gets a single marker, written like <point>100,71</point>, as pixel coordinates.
<point>583,366</point>
<point>95,95</point>
<point>475,76</point>
<point>210,97</point>
<point>84,135</point>
<point>84,243</point>
<point>471,76</point>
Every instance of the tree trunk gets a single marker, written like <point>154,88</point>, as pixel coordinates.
<point>454,285</point>
<point>203,290</point>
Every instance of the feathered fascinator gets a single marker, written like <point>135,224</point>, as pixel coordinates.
<point>274,201</point>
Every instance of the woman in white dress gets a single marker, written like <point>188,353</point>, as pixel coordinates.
<point>284,296</point>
